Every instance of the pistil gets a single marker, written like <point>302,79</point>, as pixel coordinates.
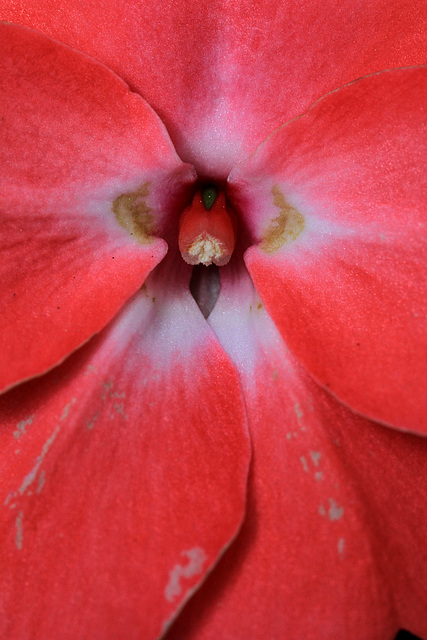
<point>207,229</point>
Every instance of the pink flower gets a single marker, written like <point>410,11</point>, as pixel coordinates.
<point>259,473</point>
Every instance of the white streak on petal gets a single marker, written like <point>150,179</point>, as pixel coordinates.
<point>196,558</point>
<point>19,531</point>
<point>315,456</point>
<point>21,427</point>
<point>335,512</point>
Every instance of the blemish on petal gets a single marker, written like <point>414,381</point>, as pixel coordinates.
<point>284,228</point>
<point>108,392</point>
<point>90,423</point>
<point>134,214</point>
<point>67,408</point>
<point>304,464</point>
<point>321,510</point>
<point>315,456</point>
<point>298,412</point>
<point>195,559</point>
<point>19,530</point>
<point>31,476</point>
<point>41,481</point>
<point>335,512</point>
<point>341,546</point>
<point>8,498</point>
<point>144,290</point>
<point>120,410</point>
<point>21,427</point>
<point>90,369</point>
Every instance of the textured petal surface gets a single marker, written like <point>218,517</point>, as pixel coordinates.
<point>79,154</point>
<point>337,199</point>
<point>123,474</point>
<point>224,73</point>
<point>333,545</point>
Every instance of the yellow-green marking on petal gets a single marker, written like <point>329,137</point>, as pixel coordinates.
<point>134,215</point>
<point>283,229</point>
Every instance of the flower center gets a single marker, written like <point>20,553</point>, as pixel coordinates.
<point>207,229</point>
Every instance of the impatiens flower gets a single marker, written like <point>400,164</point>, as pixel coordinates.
<point>245,459</point>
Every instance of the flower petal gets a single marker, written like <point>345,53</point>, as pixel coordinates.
<point>223,74</point>
<point>123,474</point>
<point>333,545</point>
<point>337,199</point>
<point>77,146</point>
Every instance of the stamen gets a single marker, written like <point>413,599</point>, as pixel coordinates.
<point>207,230</point>
<point>206,248</point>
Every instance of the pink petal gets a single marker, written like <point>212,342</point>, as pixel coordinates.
<point>74,139</point>
<point>123,474</point>
<point>337,199</point>
<point>223,74</point>
<point>333,545</point>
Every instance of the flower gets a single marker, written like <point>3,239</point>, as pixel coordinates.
<point>259,473</point>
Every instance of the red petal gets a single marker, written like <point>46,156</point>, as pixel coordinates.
<point>75,144</point>
<point>123,475</point>
<point>333,545</point>
<point>337,198</point>
<point>223,75</point>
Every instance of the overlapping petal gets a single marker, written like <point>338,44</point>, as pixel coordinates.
<point>223,74</point>
<point>333,542</point>
<point>83,159</point>
<point>337,200</point>
<point>123,475</point>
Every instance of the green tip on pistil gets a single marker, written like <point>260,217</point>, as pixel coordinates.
<point>209,195</point>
